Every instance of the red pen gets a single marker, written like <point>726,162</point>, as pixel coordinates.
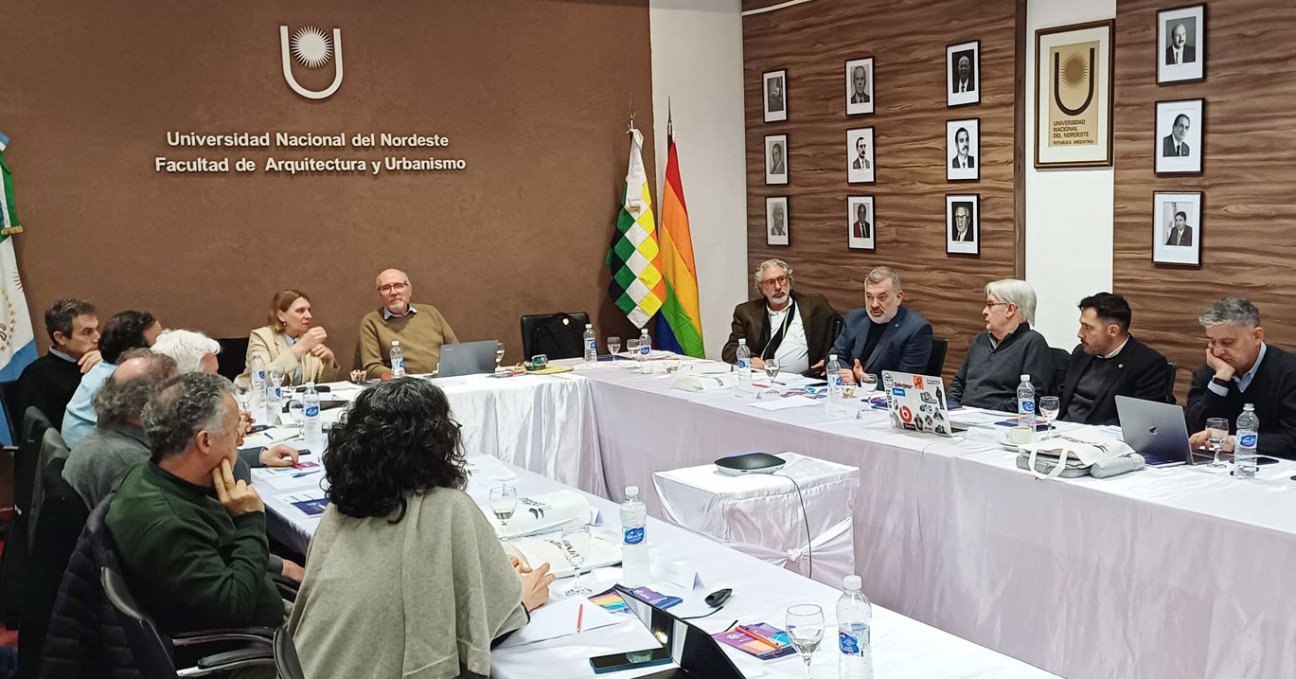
<point>758,636</point>
<point>580,615</point>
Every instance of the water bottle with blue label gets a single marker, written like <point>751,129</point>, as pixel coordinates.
<point>743,361</point>
<point>591,345</point>
<point>257,374</point>
<point>1248,437</point>
<point>312,427</point>
<point>397,360</point>
<point>854,630</point>
<point>634,547</point>
<point>1026,404</point>
<point>645,351</point>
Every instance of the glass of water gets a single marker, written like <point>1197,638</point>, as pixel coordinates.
<point>503,502</point>
<point>632,346</point>
<point>297,411</point>
<point>243,394</point>
<point>576,541</point>
<point>805,629</point>
<point>1048,406</point>
<point>499,356</point>
<point>1216,431</point>
<point>772,371</point>
<point>614,345</point>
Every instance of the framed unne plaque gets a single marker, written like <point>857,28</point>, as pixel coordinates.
<point>1073,95</point>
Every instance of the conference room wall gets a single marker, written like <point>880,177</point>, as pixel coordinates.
<point>1249,167</point>
<point>533,94</point>
<point>812,41</point>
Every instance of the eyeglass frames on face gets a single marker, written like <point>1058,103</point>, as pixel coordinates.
<point>774,282</point>
<point>392,287</point>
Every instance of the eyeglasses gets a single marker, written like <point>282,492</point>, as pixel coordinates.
<point>392,287</point>
<point>991,305</point>
<point>774,282</point>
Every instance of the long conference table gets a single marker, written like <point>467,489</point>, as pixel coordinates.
<point>1177,572</point>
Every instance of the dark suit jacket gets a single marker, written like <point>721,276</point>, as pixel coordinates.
<point>1185,239</point>
<point>862,230</point>
<point>954,162</point>
<point>860,98</point>
<point>1142,372</point>
<point>905,345</point>
<point>1189,54</point>
<point>750,319</point>
<point>1168,147</point>
<point>861,164</point>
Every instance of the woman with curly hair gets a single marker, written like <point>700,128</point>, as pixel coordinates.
<point>405,576</point>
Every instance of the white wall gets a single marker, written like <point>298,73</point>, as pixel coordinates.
<point>1068,212</point>
<point>697,64</point>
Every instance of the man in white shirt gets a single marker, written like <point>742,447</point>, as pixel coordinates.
<point>793,328</point>
<point>962,161</point>
<point>1173,144</point>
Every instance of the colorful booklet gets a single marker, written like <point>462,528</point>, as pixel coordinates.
<point>761,640</point>
<point>656,598</point>
<point>611,600</point>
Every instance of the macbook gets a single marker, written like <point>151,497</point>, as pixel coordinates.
<point>1157,431</point>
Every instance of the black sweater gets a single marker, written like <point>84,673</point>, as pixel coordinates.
<point>1272,390</point>
<point>990,375</point>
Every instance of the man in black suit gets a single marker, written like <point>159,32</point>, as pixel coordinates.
<point>883,335</point>
<point>775,95</point>
<point>1109,362</point>
<point>861,148</point>
<point>776,160</point>
<point>862,229</point>
<point>1177,52</point>
<point>1173,144</point>
<point>961,160</point>
<point>793,327</point>
<point>962,223</point>
<point>859,85</point>
<point>964,80</point>
<point>1181,233</point>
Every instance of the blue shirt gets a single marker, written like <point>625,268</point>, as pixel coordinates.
<point>1242,381</point>
<point>80,416</point>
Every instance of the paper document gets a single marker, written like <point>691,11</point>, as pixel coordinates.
<point>783,403</point>
<point>558,619</point>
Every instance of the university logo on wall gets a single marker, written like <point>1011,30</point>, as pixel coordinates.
<point>313,49</point>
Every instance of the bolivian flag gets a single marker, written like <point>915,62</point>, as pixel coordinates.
<point>679,325</point>
<point>636,287</point>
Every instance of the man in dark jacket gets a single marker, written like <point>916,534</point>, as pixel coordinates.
<point>49,382</point>
<point>883,335</point>
<point>1109,362</point>
<point>794,328</point>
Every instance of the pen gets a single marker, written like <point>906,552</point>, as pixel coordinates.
<point>758,636</point>
<point>580,615</point>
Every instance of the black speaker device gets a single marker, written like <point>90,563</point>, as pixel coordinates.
<point>749,463</point>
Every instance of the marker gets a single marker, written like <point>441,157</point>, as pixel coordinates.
<point>580,615</point>
<point>758,636</point>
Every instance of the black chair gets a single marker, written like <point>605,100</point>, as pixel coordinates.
<point>1173,369</point>
<point>1061,358</point>
<point>936,361</point>
<point>9,394</point>
<point>52,448</point>
<point>17,553</point>
<point>559,335</point>
<point>232,359</point>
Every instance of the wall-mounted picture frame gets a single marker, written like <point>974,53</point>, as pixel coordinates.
<point>963,149</point>
<point>861,223</point>
<point>963,74</point>
<point>778,226</point>
<point>1177,227</point>
<point>1073,95</point>
<point>963,223</point>
<point>861,160</point>
<point>776,159</point>
<point>859,86</point>
<point>775,99</point>
<point>1181,44</point>
<point>1180,129</point>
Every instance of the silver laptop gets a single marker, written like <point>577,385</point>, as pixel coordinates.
<point>1157,431</point>
<point>467,358</point>
<point>916,403</point>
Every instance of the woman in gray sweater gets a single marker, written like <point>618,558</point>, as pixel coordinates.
<point>1003,353</point>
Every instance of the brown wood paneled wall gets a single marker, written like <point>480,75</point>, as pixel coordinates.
<point>1249,169</point>
<point>812,42</point>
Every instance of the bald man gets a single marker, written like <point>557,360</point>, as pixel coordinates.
<point>420,330</point>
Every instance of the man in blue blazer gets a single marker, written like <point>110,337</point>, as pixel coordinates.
<point>884,335</point>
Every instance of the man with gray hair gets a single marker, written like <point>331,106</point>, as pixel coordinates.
<point>118,441</point>
<point>883,335</point>
<point>192,351</point>
<point>1003,353</point>
<point>1242,368</point>
<point>420,330</point>
<point>192,539</point>
<point>792,327</point>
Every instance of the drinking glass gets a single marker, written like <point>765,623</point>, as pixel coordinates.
<point>614,345</point>
<point>1217,430</point>
<point>805,629</point>
<point>297,411</point>
<point>772,371</point>
<point>1049,406</point>
<point>499,356</point>
<point>357,376</point>
<point>503,502</point>
<point>275,375</point>
<point>243,394</point>
<point>632,346</point>
<point>576,540</point>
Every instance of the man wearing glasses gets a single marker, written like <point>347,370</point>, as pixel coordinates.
<point>420,330</point>
<point>794,328</point>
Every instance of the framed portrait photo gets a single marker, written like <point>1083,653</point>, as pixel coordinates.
<point>962,149</point>
<point>1073,95</point>
<point>859,86</point>
<point>1176,228</point>
<point>861,223</point>
<point>1181,44</point>
<point>776,160</point>
<point>775,85</point>
<point>1180,128</point>
<point>860,158</point>
<point>963,224</point>
<point>778,228</point>
<point>963,74</point>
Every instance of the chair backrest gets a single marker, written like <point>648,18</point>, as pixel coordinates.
<point>1061,358</point>
<point>14,563</point>
<point>27,460</point>
<point>151,649</point>
<point>936,361</point>
<point>1173,371</point>
<point>52,448</point>
<point>558,335</point>
<point>9,394</point>
<point>232,359</point>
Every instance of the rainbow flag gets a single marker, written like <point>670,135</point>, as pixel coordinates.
<point>636,287</point>
<point>679,324</point>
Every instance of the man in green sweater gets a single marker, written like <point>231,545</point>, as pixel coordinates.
<point>191,539</point>
<point>420,330</point>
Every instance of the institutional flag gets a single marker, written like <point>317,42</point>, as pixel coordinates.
<point>17,343</point>
<point>679,324</point>
<point>636,287</point>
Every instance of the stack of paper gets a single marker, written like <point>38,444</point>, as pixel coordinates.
<point>542,513</point>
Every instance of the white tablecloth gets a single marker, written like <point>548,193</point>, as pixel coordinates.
<point>761,514</point>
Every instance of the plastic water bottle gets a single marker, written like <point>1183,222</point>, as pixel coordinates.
<point>1026,404</point>
<point>257,387</point>
<point>312,428</point>
<point>645,350</point>
<point>591,345</point>
<point>397,360</point>
<point>854,625</point>
<point>1244,449</point>
<point>744,365</point>
<point>832,372</point>
<point>634,548</point>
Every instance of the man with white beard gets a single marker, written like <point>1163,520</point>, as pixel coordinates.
<point>794,328</point>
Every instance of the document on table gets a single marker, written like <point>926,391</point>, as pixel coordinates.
<point>783,403</point>
<point>558,619</point>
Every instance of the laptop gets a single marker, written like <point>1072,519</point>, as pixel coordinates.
<point>917,403</point>
<point>467,358</point>
<point>1157,431</point>
<point>695,654</point>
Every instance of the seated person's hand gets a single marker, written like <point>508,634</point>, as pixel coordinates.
<point>237,497</point>
<point>244,425</point>
<point>279,455</point>
<point>89,360</point>
<point>847,376</point>
<point>535,587</point>
<point>758,362</point>
<point>1201,440</point>
<point>816,370</point>
<point>518,566</point>
<point>292,571</point>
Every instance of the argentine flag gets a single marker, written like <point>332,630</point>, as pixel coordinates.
<point>17,342</point>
